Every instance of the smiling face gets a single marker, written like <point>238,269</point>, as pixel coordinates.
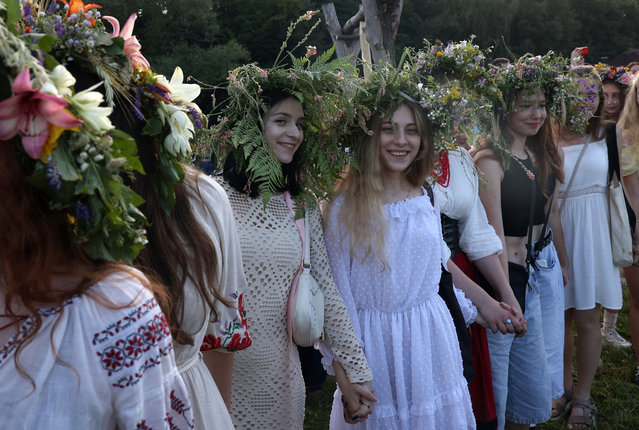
<point>612,99</point>
<point>528,115</point>
<point>399,140</point>
<point>284,128</point>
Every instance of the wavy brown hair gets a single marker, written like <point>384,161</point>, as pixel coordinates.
<point>362,211</point>
<point>178,248</point>
<point>36,247</point>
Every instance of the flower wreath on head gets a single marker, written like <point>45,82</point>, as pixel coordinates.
<point>459,92</point>
<point>548,73</point>
<point>70,151</point>
<point>618,74</point>
<point>320,86</point>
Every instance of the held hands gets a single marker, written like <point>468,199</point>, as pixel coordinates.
<point>358,404</point>
<point>357,398</point>
<point>500,317</point>
<point>510,302</point>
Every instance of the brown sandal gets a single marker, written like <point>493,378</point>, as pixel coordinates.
<point>561,405</point>
<point>587,419</point>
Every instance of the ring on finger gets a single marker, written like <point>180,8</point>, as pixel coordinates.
<point>508,321</point>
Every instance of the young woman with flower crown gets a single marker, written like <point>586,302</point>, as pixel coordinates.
<point>83,342</point>
<point>464,223</point>
<point>615,83</point>
<point>520,365</point>
<point>191,230</point>
<point>383,235</point>
<point>594,280</point>
<point>276,161</point>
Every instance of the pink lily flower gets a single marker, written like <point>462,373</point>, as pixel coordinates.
<point>29,114</point>
<point>131,45</point>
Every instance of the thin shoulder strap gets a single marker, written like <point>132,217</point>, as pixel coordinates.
<point>574,171</point>
<point>429,191</point>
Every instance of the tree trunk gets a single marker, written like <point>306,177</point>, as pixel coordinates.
<point>347,39</point>
<point>382,22</point>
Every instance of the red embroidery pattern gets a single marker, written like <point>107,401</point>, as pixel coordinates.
<point>179,407</point>
<point>125,322</point>
<point>234,335</point>
<point>132,351</point>
<point>441,171</point>
<point>142,426</point>
<point>180,411</point>
<point>27,328</point>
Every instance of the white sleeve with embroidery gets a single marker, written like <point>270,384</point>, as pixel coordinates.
<point>135,351</point>
<point>227,333</point>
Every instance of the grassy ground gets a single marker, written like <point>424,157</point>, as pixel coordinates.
<point>614,391</point>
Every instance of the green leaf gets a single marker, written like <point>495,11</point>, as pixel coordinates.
<point>13,15</point>
<point>125,146</point>
<point>50,62</point>
<point>153,127</point>
<point>46,43</point>
<point>65,163</point>
<point>92,181</point>
<point>116,48</point>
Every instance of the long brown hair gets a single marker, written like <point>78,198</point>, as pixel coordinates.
<point>178,248</point>
<point>36,246</point>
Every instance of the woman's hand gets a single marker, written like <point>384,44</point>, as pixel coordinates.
<point>496,317</point>
<point>357,398</point>
<point>510,303</point>
<point>360,403</point>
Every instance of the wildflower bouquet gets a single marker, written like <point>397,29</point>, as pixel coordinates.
<point>73,153</point>
<point>619,75</point>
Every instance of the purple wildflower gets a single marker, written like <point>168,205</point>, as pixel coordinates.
<point>162,94</point>
<point>196,117</point>
<point>53,8</point>
<point>53,174</point>
<point>82,212</point>
<point>137,106</point>
<point>59,29</point>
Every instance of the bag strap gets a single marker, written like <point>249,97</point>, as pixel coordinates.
<point>531,216</point>
<point>542,234</point>
<point>307,248</point>
<point>572,176</point>
<point>613,152</point>
<point>301,227</point>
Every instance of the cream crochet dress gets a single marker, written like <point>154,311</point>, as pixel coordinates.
<point>267,387</point>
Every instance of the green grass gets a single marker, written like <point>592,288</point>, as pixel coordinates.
<point>614,391</point>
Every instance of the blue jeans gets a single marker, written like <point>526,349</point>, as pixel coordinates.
<point>551,296</point>
<point>521,381</point>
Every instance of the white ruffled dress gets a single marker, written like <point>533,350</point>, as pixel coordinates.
<point>403,324</point>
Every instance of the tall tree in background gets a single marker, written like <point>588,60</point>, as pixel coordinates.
<point>185,33</point>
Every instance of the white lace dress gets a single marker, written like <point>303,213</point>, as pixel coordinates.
<point>585,221</point>
<point>114,367</point>
<point>227,333</point>
<point>268,389</point>
<point>404,326</point>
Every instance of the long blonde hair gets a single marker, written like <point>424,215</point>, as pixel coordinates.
<point>629,119</point>
<point>362,212</point>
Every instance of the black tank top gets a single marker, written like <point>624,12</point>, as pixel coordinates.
<point>515,200</point>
